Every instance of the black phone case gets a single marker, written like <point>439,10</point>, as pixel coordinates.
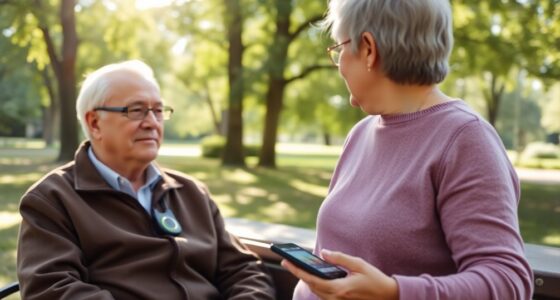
<point>305,266</point>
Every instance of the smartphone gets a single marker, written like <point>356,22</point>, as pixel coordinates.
<point>308,261</point>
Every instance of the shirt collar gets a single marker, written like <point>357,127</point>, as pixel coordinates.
<point>115,180</point>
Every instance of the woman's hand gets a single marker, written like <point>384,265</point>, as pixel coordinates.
<point>364,281</point>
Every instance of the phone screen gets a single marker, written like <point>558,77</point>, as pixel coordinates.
<point>308,261</point>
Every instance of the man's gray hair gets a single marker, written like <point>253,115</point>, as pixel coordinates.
<point>413,37</point>
<point>97,84</point>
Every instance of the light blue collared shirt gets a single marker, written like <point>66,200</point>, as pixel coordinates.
<point>120,183</point>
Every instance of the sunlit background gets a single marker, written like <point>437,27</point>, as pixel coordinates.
<point>505,64</point>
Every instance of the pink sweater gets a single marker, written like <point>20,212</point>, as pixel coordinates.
<point>429,198</point>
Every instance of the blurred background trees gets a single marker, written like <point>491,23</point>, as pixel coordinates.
<point>256,71</point>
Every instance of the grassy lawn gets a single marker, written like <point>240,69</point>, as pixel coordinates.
<point>290,194</point>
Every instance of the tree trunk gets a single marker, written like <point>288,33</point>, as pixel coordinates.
<point>276,82</point>
<point>233,150</point>
<point>214,115</point>
<point>277,61</point>
<point>67,82</point>
<point>49,112</point>
<point>64,69</point>
<point>493,98</point>
<point>327,139</point>
<point>274,101</point>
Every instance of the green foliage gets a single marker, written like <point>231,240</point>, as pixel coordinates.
<point>186,43</point>
<point>115,32</point>
<point>212,146</point>
<point>519,121</point>
<point>551,110</point>
<point>20,88</point>
<point>494,39</point>
<point>320,104</point>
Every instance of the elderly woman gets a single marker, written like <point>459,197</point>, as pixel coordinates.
<point>423,201</point>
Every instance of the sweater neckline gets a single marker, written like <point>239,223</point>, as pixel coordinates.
<point>406,117</point>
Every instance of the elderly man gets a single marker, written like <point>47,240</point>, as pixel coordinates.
<point>113,225</point>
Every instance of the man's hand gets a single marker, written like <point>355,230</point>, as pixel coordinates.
<point>364,281</point>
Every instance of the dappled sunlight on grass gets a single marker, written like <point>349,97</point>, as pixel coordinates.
<point>553,240</point>
<point>308,149</point>
<point>8,244</point>
<point>322,162</point>
<point>5,268</point>
<point>18,161</point>
<point>17,179</point>
<point>239,176</point>
<point>244,199</point>
<point>200,175</point>
<point>253,192</point>
<point>539,216</point>
<point>8,270</point>
<point>9,219</point>
<point>280,211</point>
<point>223,198</point>
<point>21,143</point>
<point>317,190</point>
<point>290,194</point>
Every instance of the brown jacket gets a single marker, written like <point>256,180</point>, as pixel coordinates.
<point>81,239</point>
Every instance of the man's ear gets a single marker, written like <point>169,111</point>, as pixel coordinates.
<point>370,49</point>
<point>92,121</point>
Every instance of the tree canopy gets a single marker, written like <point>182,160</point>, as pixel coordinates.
<point>257,70</point>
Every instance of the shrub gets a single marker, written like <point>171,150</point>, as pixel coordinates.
<point>539,150</point>
<point>213,147</point>
<point>252,150</point>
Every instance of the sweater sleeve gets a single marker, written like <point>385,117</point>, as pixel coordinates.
<point>240,274</point>
<point>477,200</point>
<point>49,263</point>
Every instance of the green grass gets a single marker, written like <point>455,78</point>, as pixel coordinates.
<point>539,214</point>
<point>290,194</point>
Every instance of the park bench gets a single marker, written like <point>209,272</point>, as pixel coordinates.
<point>544,260</point>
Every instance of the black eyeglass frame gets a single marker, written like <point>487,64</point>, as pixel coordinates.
<point>166,111</point>
<point>334,49</point>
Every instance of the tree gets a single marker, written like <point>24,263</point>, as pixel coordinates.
<point>64,69</point>
<point>284,36</point>
<point>233,151</point>
<point>551,118</point>
<point>520,116</point>
<point>478,29</point>
<point>540,42</point>
<point>35,16</point>
<point>494,38</point>
<point>319,105</point>
<point>19,103</point>
<point>211,25</point>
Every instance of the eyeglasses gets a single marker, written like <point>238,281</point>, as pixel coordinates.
<point>334,52</point>
<point>139,112</point>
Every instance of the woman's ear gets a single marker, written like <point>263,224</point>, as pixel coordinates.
<point>369,50</point>
<point>92,121</point>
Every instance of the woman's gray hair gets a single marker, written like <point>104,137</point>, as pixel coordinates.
<point>413,37</point>
<point>97,84</point>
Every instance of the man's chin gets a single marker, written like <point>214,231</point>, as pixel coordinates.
<point>147,157</point>
<point>147,153</point>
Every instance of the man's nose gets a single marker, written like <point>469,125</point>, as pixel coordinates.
<point>150,117</point>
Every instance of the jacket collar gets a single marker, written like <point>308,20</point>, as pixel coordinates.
<point>87,178</point>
